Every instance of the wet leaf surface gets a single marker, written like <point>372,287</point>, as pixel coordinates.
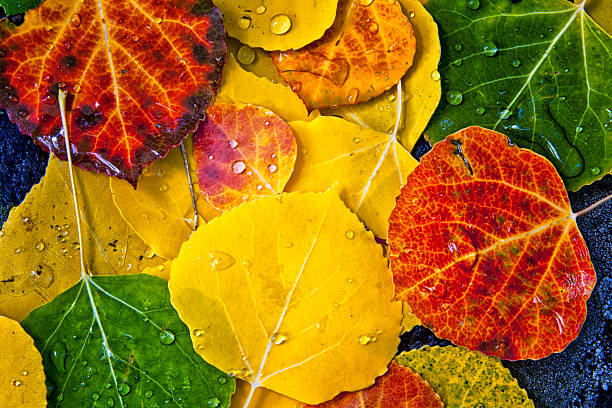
<point>536,70</point>
<point>117,341</point>
<point>499,264</point>
<point>365,52</point>
<point>138,77</point>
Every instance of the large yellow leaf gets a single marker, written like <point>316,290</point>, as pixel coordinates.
<point>22,378</point>
<point>160,210</point>
<point>289,293</point>
<point>277,24</point>
<point>39,245</point>
<point>368,167</point>
<point>420,86</point>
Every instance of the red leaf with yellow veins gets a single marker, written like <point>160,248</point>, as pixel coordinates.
<point>485,248</point>
<point>367,50</point>
<point>139,76</point>
<point>242,152</point>
<point>400,387</point>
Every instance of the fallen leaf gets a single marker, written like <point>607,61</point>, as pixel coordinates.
<point>139,77</point>
<point>420,86</point>
<point>409,321</point>
<point>277,24</point>
<point>253,59</point>
<point>538,71</point>
<point>291,293</point>
<point>485,248</point>
<point>40,246</point>
<point>366,51</point>
<point>12,7</point>
<point>466,378</point>
<point>117,341</point>
<point>367,167</point>
<point>399,387</point>
<point>242,152</point>
<point>160,210</point>
<point>22,378</point>
<point>240,86</point>
<point>161,271</point>
<point>261,398</point>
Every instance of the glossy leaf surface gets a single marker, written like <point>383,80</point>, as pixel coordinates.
<point>138,75</point>
<point>40,246</point>
<point>365,52</point>
<point>368,168</point>
<point>22,378</point>
<point>466,378</point>
<point>242,152</point>
<point>485,248</point>
<point>536,70</point>
<point>117,341</point>
<point>289,293</point>
<point>400,387</point>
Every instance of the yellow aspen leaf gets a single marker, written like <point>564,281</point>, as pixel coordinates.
<point>261,398</point>
<point>22,378</point>
<point>277,24</point>
<point>464,378</point>
<point>289,293</point>
<point>409,320</point>
<point>240,86</point>
<point>368,167</point>
<point>39,242</point>
<point>252,59</point>
<point>420,86</point>
<point>160,210</point>
<point>599,10</point>
<point>163,271</point>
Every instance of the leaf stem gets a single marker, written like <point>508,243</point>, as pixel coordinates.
<point>250,396</point>
<point>193,199</point>
<point>592,206</point>
<point>62,106</point>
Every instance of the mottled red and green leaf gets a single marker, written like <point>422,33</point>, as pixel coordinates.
<point>139,76</point>
<point>485,248</point>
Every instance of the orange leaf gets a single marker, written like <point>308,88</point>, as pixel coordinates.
<point>485,248</point>
<point>242,152</point>
<point>367,50</point>
<point>139,76</point>
<point>400,387</point>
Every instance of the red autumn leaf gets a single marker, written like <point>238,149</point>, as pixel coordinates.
<point>366,51</point>
<point>400,387</point>
<point>242,152</point>
<point>139,76</point>
<point>485,248</point>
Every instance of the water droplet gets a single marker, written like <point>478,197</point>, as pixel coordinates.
<point>148,253</point>
<point>473,4</point>
<point>415,201</point>
<point>40,246</point>
<point>76,88</point>
<point>373,28</point>
<point>349,234</point>
<point>297,87</point>
<point>516,63</point>
<point>221,260</point>
<point>288,244</point>
<point>17,250</point>
<point>490,49</point>
<point>95,396</point>
<point>76,245</point>
<point>365,3</point>
<point>135,37</point>
<point>278,338</point>
<point>13,98</point>
<point>364,339</point>
<point>213,402</point>
<point>166,337</point>
<point>245,55</point>
<point>457,47</point>
<point>198,332</point>
<point>110,402</point>
<point>411,14</point>
<point>435,75</point>
<point>16,383</point>
<point>61,238</point>
<point>420,267</point>
<point>280,24</point>
<point>222,380</point>
<point>163,187</point>
<point>595,171</point>
<point>457,62</point>
<point>76,20</point>
<point>355,140</point>
<point>454,97</point>
<point>158,20</point>
<point>210,157</point>
<point>24,372</point>
<point>123,389</point>
<point>579,129</point>
<point>260,9</point>
<point>272,168</point>
<point>238,167</point>
<point>22,113</point>
<point>480,110</point>
<point>58,355</point>
<point>259,187</point>
<point>244,22</point>
<point>505,114</point>
<point>267,123</point>
<point>148,394</point>
<point>353,95</point>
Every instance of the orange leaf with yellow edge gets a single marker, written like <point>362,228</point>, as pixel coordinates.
<point>39,244</point>
<point>242,152</point>
<point>289,293</point>
<point>22,377</point>
<point>400,387</point>
<point>161,209</point>
<point>367,50</point>
<point>367,167</point>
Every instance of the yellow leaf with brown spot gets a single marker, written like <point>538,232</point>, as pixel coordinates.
<point>368,167</point>
<point>289,293</point>
<point>39,244</point>
<point>22,378</point>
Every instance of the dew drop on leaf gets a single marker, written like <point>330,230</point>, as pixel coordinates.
<point>166,337</point>
<point>272,168</point>
<point>457,47</point>
<point>579,129</point>
<point>16,383</point>
<point>244,22</point>
<point>595,171</point>
<point>245,55</point>
<point>473,4</point>
<point>123,389</point>
<point>490,49</point>
<point>220,260</point>
<point>110,402</point>
<point>40,246</point>
<point>505,114</point>
<point>76,20</point>
<point>480,110</point>
<point>238,166</point>
<point>95,396</point>
<point>373,28</point>
<point>365,3</point>
<point>260,9</point>
<point>278,338</point>
<point>349,234</point>
<point>163,187</point>
<point>353,95</point>
<point>516,63</point>
<point>280,24</point>
<point>148,394</point>
<point>454,97</point>
<point>198,332</point>
<point>457,62</point>
<point>364,339</point>
<point>213,402</point>
<point>435,75</point>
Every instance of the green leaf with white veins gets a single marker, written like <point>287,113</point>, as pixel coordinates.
<point>539,71</point>
<point>116,341</point>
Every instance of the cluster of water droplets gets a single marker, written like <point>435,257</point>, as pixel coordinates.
<point>278,24</point>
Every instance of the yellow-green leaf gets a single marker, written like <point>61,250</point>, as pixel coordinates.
<point>368,167</point>
<point>277,24</point>
<point>289,293</point>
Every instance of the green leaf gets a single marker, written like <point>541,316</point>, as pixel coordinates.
<point>538,71</point>
<point>12,7</point>
<point>117,341</point>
